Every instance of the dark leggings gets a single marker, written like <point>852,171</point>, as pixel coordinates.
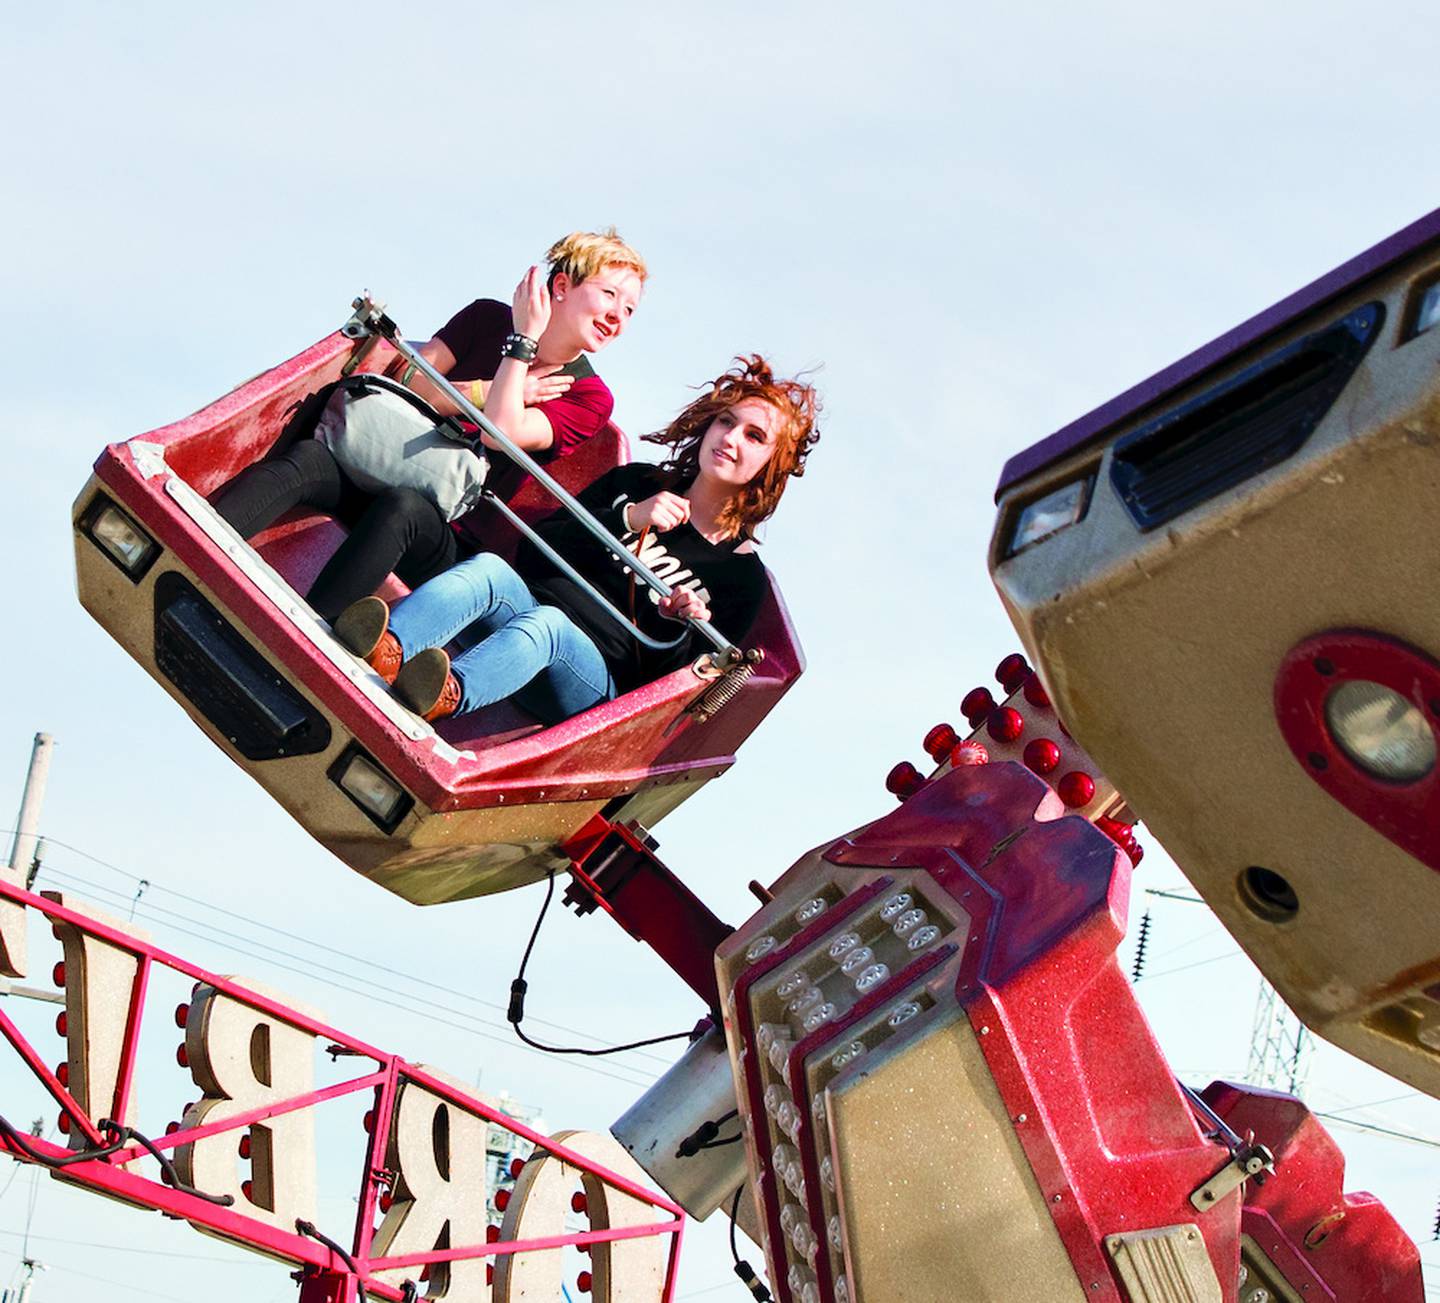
<point>396,529</point>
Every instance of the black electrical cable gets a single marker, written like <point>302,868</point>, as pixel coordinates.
<point>743,1269</point>
<point>21,1141</point>
<point>120,1136</point>
<point>704,1136</point>
<point>313,1232</point>
<point>515,1014</point>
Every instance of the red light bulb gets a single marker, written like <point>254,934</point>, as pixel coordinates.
<point>904,780</point>
<point>939,741</point>
<point>1041,756</point>
<point>578,1203</point>
<point>182,1013</point>
<point>1011,671</point>
<point>1123,835</point>
<point>492,1235</point>
<point>62,1074</point>
<point>583,1282</point>
<point>182,1055</point>
<point>977,703</point>
<point>516,1165</point>
<point>502,1200</point>
<point>368,1121</point>
<point>171,1128</point>
<point>1005,724</point>
<point>57,974</point>
<point>1076,789</point>
<point>64,1124</point>
<point>62,1023</point>
<point>1035,692</point>
<point>386,1201</point>
<point>969,752</point>
<point>245,1145</point>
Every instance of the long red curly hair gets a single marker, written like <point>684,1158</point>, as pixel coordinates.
<point>799,408</point>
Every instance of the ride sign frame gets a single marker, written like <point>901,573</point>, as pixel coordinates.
<point>421,1224</point>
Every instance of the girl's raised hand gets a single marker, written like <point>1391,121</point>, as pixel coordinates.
<point>532,304</point>
<point>664,511</point>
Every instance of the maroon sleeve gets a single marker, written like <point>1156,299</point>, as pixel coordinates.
<point>475,335</point>
<point>578,414</point>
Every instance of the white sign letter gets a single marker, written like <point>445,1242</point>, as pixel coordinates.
<point>625,1271</point>
<point>438,1154</point>
<point>243,1059</point>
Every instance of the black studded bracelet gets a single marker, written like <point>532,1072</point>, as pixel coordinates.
<point>520,347</point>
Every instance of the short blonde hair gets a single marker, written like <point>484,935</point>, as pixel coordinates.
<point>583,253</point>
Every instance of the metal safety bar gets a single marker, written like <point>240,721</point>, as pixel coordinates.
<point>371,319</point>
<point>533,535</point>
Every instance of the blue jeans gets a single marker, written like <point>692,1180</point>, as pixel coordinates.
<point>531,652</point>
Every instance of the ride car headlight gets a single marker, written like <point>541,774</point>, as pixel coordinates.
<point>1047,516</point>
<point>371,788</point>
<point>1427,311</point>
<point>120,538</point>
<point>1379,730</point>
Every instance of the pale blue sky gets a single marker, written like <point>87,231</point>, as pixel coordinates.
<point>981,220</point>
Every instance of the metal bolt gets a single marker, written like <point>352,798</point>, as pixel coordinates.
<point>1022,1118</point>
<point>984,1031</point>
<point>1054,1198</point>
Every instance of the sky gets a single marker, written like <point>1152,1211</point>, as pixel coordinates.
<point>978,222</point>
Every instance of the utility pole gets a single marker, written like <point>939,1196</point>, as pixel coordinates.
<point>23,850</point>
<point>22,1293</point>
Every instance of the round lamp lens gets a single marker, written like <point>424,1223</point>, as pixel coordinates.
<point>1380,731</point>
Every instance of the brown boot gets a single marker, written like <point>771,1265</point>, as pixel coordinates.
<point>363,628</point>
<point>426,685</point>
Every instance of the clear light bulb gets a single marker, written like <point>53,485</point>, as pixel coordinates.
<point>792,982</point>
<point>856,960</point>
<point>871,976</point>
<point>760,947</point>
<point>810,911</point>
<point>896,905</point>
<point>909,921</point>
<point>902,1013</point>
<point>923,936</point>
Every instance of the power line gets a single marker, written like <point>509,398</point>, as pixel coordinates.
<point>470,1028</point>
<point>313,943</point>
<point>1375,1103</point>
<point>1199,963</point>
<point>130,1248</point>
<point>1383,1131</point>
<point>117,1284</point>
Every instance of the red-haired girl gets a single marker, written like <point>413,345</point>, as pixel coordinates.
<point>541,638</point>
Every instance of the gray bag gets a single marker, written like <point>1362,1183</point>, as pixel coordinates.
<point>385,436</point>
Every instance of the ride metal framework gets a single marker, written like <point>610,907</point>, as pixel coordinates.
<point>102,1154</point>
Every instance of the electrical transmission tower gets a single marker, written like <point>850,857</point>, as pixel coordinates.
<point>1280,1046</point>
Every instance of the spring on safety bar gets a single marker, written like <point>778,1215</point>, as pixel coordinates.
<point>725,689</point>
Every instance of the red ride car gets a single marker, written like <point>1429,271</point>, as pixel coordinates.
<point>478,804</point>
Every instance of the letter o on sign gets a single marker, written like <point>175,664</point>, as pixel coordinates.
<point>625,1271</point>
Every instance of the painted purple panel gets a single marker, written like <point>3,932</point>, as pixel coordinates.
<point>1375,259</point>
